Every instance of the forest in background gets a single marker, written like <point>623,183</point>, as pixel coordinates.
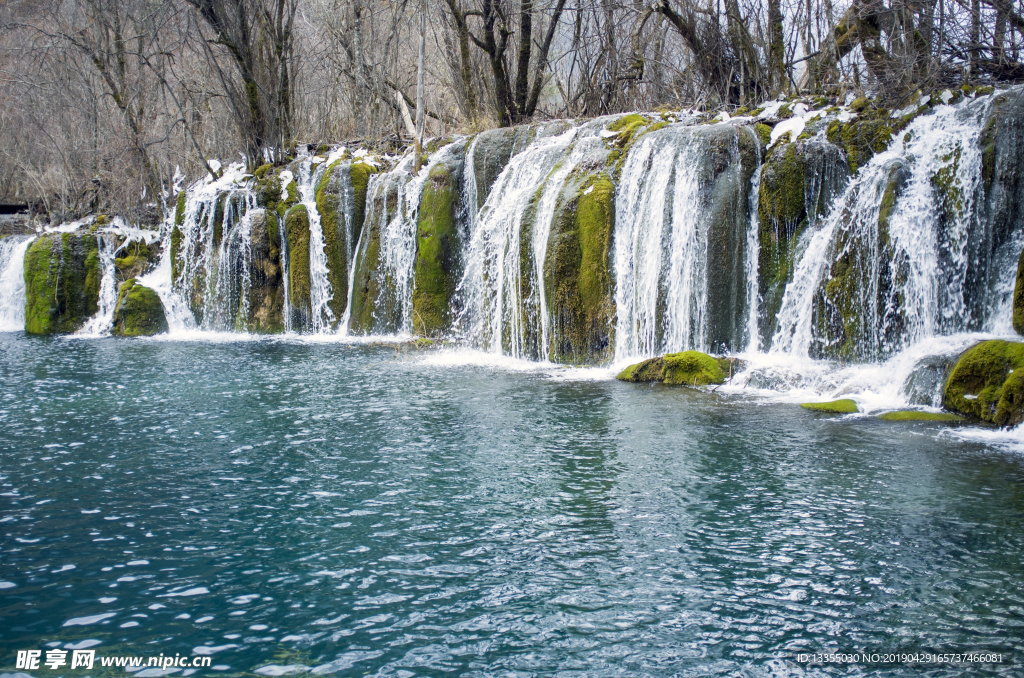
<point>109,105</point>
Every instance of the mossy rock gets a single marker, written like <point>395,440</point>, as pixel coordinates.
<point>139,312</point>
<point>987,383</point>
<point>849,323</point>
<point>918,415</point>
<point>296,224</point>
<point>435,273</point>
<point>136,258</point>
<point>577,270</point>
<point>265,305</point>
<point>844,406</point>
<point>62,283</point>
<point>689,368</point>
<point>861,138</point>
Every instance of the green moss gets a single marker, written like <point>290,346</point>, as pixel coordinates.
<point>631,121</point>
<point>262,170</point>
<point>62,283</point>
<point>784,112</point>
<point>863,138</point>
<point>296,224</point>
<point>136,258</point>
<point>764,132</point>
<point>577,270</point>
<point>436,256</point>
<point>1018,297</point>
<point>268,190</point>
<point>987,383</point>
<point>947,187</point>
<point>139,312</point>
<point>689,368</point>
<point>917,415</point>
<point>844,406</point>
<point>101,220</point>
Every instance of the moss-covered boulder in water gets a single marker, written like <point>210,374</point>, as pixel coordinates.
<point>844,406</point>
<point>987,383</point>
<point>689,368</point>
<point>62,282</point>
<point>437,254</point>
<point>918,415</point>
<point>296,224</point>
<point>139,312</point>
<point>265,304</point>
<point>577,272</point>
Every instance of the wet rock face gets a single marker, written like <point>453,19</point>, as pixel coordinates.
<point>62,282</point>
<point>296,224</point>
<point>987,383</point>
<point>1002,144</point>
<point>729,160</point>
<point>266,283</point>
<point>438,257</point>
<point>578,272</point>
<point>139,312</point>
<point>798,183</point>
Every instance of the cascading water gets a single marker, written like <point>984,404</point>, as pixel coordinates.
<point>905,224</point>
<point>214,256</point>
<point>497,311</point>
<point>12,282</point>
<point>682,191</point>
<point>321,293</point>
<point>101,323</point>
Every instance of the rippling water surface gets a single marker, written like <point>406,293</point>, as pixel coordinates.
<point>361,510</point>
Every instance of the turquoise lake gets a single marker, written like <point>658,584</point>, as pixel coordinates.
<point>287,506</point>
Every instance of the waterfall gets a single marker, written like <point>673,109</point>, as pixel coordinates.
<point>889,265</point>
<point>320,286</point>
<point>214,256</point>
<point>101,323</point>
<point>497,311</point>
<point>387,246</point>
<point>12,282</point>
<point>680,187</point>
<point>751,264</point>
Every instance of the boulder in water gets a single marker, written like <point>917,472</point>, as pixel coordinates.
<point>62,282</point>
<point>987,383</point>
<point>843,406</point>
<point>689,368</point>
<point>139,312</point>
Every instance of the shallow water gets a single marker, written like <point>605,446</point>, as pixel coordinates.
<point>364,510</point>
